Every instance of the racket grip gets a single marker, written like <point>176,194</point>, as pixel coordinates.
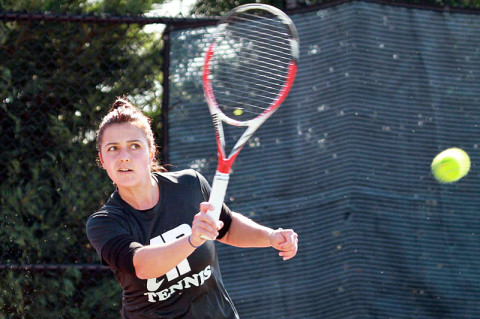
<point>217,194</point>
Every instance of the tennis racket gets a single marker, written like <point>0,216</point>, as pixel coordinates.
<point>249,69</point>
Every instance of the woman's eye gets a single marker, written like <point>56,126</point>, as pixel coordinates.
<point>135,146</point>
<point>112,148</point>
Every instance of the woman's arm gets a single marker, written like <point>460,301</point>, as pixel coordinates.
<point>244,232</point>
<point>153,261</point>
<point>150,261</point>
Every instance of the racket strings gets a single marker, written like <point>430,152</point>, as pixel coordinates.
<point>242,94</point>
<point>271,47</point>
<point>264,91</point>
<point>276,44</point>
<point>248,104</point>
<point>251,63</point>
<point>275,25</point>
<point>271,64</point>
<point>265,79</point>
<point>250,100</point>
<point>260,53</point>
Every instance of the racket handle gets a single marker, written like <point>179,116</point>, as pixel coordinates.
<point>217,194</point>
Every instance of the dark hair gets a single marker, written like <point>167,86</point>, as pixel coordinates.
<point>123,111</point>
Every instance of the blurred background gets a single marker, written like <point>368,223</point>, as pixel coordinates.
<point>382,87</point>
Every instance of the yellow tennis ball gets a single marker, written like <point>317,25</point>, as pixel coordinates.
<point>238,112</point>
<point>450,165</point>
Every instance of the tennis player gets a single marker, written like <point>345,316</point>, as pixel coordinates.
<point>151,230</point>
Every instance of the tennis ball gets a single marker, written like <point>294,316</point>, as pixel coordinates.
<point>450,165</point>
<point>238,112</point>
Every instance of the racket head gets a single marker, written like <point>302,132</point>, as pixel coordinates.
<point>250,64</point>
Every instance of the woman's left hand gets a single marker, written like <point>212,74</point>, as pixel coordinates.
<point>286,241</point>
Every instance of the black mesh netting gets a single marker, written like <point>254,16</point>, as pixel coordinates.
<point>346,162</point>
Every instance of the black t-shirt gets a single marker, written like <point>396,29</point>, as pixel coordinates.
<point>194,288</point>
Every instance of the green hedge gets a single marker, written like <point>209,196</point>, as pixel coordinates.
<point>57,79</point>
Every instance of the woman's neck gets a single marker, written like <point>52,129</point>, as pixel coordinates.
<point>142,197</point>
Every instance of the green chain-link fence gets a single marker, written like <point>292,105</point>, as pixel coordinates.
<point>59,75</point>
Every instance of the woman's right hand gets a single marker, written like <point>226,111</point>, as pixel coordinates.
<point>204,225</point>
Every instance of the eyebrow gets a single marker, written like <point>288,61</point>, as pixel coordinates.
<point>130,141</point>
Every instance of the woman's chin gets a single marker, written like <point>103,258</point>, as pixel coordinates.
<point>125,180</point>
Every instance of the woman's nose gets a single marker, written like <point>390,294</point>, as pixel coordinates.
<point>124,156</point>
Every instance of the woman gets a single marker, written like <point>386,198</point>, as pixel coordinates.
<point>151,233</point>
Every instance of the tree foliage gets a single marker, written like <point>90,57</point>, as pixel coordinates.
<point>57,79</point>
<point>217,8</point>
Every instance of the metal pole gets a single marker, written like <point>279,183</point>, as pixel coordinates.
<point>165,94</point>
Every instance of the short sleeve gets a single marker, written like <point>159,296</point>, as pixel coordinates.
<point>113,244</point>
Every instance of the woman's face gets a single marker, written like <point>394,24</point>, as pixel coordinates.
<point>125,155</point>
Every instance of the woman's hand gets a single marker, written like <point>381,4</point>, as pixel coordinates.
<point>204,225</point>
<point>286,241</point>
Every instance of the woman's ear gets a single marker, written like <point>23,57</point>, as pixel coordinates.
<point>151,154</point>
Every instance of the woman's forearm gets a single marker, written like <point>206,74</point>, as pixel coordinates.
<point>156,260</point>
<point>245,232</point>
